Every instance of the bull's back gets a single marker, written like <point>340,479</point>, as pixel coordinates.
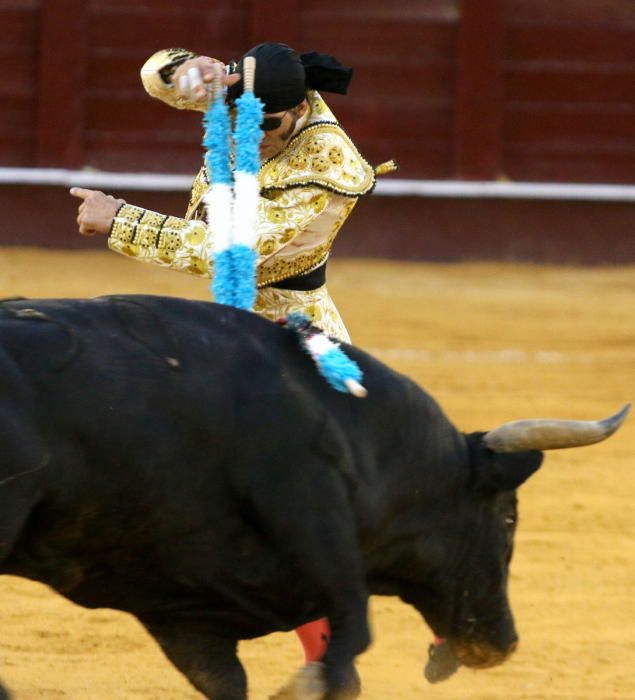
<point>177,376</point>
<point>163,346</point>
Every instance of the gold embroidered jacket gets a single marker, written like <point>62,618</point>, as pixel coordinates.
<point>307,192</point>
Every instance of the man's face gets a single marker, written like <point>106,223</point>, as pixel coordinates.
<point>275,140</point>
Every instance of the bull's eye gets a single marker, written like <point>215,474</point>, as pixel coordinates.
<point>510,520</point>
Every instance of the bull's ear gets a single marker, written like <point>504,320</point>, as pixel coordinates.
<point>501,471</point>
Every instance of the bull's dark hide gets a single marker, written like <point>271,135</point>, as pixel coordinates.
<point>184,462</point>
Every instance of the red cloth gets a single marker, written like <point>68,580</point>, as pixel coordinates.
<point>314,637</point>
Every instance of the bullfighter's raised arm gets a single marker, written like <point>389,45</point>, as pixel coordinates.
<point>162,72</point>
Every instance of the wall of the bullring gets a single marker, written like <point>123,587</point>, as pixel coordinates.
<point>494,90</point>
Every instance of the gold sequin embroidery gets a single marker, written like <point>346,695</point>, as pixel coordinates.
<point>267,248</point>
<point>314,146</point>
<point>321,154</point>
<point>198,266</point>
<point>298,162</point>
<point>124,226</point>
<point>169,240</point>
<point>276,216</point>
<point>195,237</point>
<point>147,238</point>
<point>130,249</point>
<point>335,155</point>
<point>319,203</point>
<point>199,188</point>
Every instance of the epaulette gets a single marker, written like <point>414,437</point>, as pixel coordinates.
<point>320,154</point>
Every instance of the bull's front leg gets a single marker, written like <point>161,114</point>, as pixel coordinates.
<point>338,571</point>
<point>335,677</point>
<point>350,636</point>
<point>209,662</point>
<point>316,531</point>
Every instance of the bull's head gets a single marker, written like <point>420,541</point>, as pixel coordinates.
<point>465,596</point>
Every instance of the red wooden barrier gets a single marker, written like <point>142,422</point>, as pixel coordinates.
<point>527,90</point>
<point>519,89</point>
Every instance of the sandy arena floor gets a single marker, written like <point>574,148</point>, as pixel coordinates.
<point>492,343</point>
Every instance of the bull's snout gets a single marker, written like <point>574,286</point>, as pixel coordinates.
<point>479,655</point>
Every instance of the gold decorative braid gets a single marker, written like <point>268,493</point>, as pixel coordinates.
<point>124,225</point>
<point>319,110</point>
<point>199,188</point>
<point>284,269</point>
<point>320,154</point>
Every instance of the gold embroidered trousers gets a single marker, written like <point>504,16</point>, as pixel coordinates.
<point>275,303</point>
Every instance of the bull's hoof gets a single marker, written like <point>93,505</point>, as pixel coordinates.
<point>344,683</point>
<point>308,684</point>
<point>441,663</point>
<point>284,693</point>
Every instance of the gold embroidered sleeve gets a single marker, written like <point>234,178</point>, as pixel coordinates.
<point>156,76</point>
<point>295,231</point>
<point>168,241</point>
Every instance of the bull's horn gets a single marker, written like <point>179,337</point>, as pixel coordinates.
<point>549,434</point>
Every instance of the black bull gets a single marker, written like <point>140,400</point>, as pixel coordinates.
<point>185,462</point>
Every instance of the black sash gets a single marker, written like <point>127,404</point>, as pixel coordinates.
<point>304,283</point>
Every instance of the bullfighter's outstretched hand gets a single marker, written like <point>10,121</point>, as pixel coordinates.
<point>97,210</point>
